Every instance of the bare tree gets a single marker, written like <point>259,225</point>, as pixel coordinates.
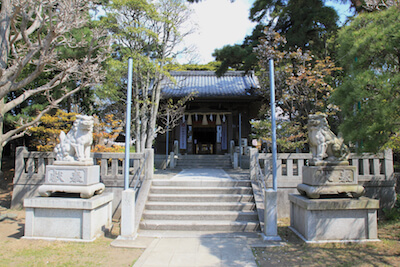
<point>171,112</point>
<point>32,32</point>
<point>149,33</point>
<point>371,5</point>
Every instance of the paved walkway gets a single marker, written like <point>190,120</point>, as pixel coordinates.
<point>198,251</point>
<point>195,249</point>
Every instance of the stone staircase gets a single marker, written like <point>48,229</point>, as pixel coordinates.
<point>204,161</point>
<point>206,205</point>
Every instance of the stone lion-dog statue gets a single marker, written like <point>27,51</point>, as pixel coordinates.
<point>75,146</point>
<point>325,146</point>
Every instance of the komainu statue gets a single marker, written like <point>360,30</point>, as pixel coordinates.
<point>75,146</point>
<point>325,146</point>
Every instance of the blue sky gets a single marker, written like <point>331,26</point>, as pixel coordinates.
<point>222,22</point>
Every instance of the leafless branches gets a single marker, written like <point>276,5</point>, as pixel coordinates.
<point>31,35</point>
<point>371,5</point>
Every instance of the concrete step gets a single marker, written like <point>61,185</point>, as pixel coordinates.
<point>203,166</point>
<point>188,225</point>
<point>208,160</point>
<point>215,205</point>
<point>205,206</point>
<point>206,183</point>
<point>204,156</point>
<point>252,237</point>
<point>200,215</point>
<point>201,197</point>
<point>204,161</point>
<point>199,190</point>
<point>211,165</point>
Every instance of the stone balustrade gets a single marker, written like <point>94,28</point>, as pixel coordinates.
<point>375,171</point>
<point>30,173</point>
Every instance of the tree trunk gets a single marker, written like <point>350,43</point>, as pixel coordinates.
<point>153,114</point>
<point>5,20</point>
<point>2,141</point>
<point>137,124</point>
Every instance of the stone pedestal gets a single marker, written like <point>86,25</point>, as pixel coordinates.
<point>69,219</point>
<point>334,219</point>
<point>84,180</point>
<point>330,180</point>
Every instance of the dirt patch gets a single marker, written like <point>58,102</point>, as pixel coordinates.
<point>298,253</point>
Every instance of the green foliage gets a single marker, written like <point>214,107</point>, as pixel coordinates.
<point>105,131</point>
<point>262,8</point>
<point>306,24</point>
<point>290,135</point>
<point>147,32</point>
<point>239,57</point>
<point>303,84</point>
<point>211,66</point>
<point>393,214</point>
<point>369,96</point>
<point>45,135</point>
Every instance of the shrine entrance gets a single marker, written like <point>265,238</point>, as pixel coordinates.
<point>204,140</point>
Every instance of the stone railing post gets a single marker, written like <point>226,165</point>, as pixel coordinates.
<point>19,174</point>
<point>19,163</point>
<point>171,160</point>
<point>270,230</point>
<point>176,147</point>
<point>128,229</point>
<point>232,147</point>
<point>235,160</point>
<point>388,154</point>
<point>253,163</point>
<point>149,163</point>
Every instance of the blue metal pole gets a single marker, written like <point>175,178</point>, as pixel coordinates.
<point>128,124</point>
<point>240,140</point>
<point>273,123</point>
<point>167,141</point>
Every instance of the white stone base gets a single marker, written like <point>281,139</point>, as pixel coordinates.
<point>85,191</point>
<point>68,219</point>
<point>316,191</point>
<point>334,219</point>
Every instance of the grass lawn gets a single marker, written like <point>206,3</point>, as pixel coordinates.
<point>16,251</point>
<point>298,253</point>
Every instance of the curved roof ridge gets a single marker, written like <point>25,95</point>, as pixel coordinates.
<point>207,84</point>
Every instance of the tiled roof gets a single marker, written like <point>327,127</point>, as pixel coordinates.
<point>206,84</point>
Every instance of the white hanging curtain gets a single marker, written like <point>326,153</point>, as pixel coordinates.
<point>205,122</point>
<point>218,121</point>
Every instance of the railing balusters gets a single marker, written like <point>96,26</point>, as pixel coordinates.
<point>300,164</point>
<point>279,167</point>
<point>365,166</point>
<point>289,167</point>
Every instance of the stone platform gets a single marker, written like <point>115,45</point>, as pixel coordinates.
<point>84,180</point>
<point>330,180</point>
<point>67,218</point>
<point>334,219</point>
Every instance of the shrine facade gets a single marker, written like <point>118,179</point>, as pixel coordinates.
<point>219,115</point>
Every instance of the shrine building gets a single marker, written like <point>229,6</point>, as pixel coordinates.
<point>218,116</point>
